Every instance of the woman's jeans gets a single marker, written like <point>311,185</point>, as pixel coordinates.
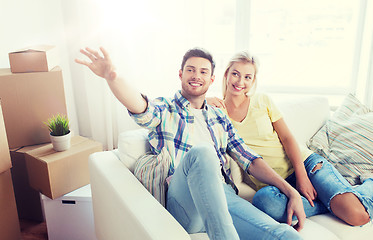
<point>327,181</point>
<point>200,201</point>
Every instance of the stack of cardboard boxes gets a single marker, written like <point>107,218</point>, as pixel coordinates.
<point>9,224</point>
<point>32,91</point>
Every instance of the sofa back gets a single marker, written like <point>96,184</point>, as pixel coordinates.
<point>303,115</point>
<point>131,145</point>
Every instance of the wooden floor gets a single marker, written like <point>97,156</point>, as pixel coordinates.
<point>33,230</point>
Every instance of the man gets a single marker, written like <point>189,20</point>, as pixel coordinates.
<point>197,139</point>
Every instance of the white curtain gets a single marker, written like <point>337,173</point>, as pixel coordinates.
<point>147,39</point>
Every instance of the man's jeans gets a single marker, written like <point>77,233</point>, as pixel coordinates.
<point>327,181</point>
<point>201,202</point>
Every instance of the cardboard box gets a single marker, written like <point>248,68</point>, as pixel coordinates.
<point>9,223</point>
<point>5,163</point>
<point>28,100</point>
<point>56,173</point>
<point>27,199</point>
<point>72,211</point>
<point>41,58</point>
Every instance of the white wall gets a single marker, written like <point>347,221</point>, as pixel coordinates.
<point>24,23</point>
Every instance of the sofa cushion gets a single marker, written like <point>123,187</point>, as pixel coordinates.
<point>199,236</point>
<point>313,230</point>
<point>346,140</point>
<point>152,171</point>
<point>132,145</point>
<point>341,229</point>
<point>304,115</point>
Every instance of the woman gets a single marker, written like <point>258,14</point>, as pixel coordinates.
<point>261,125</point>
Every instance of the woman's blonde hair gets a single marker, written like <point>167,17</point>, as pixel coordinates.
<point>243,57</point>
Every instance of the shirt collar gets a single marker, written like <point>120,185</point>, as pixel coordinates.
<point>184,103</point>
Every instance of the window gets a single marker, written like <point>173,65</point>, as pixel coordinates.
<point>304,47</point>
<point>307,47</point>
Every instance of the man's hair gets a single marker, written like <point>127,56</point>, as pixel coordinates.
<point>198,52</point>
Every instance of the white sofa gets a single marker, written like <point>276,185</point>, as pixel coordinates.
<point>124,209</point>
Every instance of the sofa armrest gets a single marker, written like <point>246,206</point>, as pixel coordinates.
<point>123,208</point>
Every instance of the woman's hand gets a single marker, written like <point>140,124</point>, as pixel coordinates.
<point>100,65</point>
<point>305,187</point>
<point>216,102</point>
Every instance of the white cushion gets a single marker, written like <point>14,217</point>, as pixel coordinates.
<point>313,230</point>
<point>199,236</point>
<point>304,115</point>
<point>132,145</point>
<point>341,229</point>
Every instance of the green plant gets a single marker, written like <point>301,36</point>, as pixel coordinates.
<point>58,125</point>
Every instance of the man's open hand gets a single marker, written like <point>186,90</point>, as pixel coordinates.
<point>100,65</point>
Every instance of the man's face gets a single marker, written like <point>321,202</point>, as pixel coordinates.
<point>196,77</point>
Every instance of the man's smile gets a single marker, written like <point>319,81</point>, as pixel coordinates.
<point>195,84</point>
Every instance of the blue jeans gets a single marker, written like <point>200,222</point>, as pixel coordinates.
<point>327,181</point>
<point>200,201</point>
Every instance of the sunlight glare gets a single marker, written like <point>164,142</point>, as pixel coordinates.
<point>125,16</point>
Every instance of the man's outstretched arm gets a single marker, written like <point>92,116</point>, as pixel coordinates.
<point>102,66</point>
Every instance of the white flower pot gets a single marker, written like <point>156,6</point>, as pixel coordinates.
<point>61,143</point>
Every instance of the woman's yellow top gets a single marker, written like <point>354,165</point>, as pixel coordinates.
<point>257,131</point>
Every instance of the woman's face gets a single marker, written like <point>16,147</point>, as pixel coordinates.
<point>240,78</point>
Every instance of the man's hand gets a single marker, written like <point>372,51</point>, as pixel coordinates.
<point>124,92</point>
<point>295,207</point>
<point>264,173</point>
<point>101,66</point>
<point>216,102</point>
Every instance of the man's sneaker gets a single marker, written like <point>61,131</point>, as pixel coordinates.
<point>366,175</point>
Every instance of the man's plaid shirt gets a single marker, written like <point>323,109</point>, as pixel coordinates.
<point>171,126</point>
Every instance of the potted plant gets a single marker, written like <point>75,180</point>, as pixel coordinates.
<point>60,133</point>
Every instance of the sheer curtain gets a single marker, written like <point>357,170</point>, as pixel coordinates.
<point>147,39</point>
